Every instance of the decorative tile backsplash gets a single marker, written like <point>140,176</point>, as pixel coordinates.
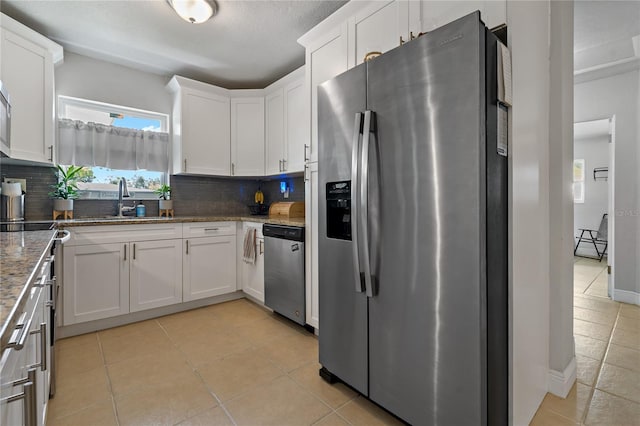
<point>192,195</point>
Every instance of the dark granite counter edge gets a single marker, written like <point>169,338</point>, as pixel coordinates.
<point>10,323</point>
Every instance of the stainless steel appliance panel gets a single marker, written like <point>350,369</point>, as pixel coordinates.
<point>427,319</point>
<point>343,311</point>
<point>284,276</point>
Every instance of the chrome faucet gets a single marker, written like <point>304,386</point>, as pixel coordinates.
<point>123,192</point>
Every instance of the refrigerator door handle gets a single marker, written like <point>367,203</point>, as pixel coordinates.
<point>365,263</point>
<point>357,130</point>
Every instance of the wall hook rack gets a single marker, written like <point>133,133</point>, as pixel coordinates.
<point>600,173</point>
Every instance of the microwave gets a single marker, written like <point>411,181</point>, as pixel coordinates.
<point>5,120</point>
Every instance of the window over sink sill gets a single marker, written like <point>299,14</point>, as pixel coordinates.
<point>97,135</point>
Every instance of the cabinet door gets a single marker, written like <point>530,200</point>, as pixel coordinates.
<point>380,27</point>
<point>247,136</point>
<point>434,14</point>
<point>13,367</point>
<point>209,267</point>
<point>96,282</point>
<point>27,72</point>
<point>327,58</point>
<point>296,123</point>
<point>274,132</point>
<point>156,274</point>
<point>311,243</point>
<point>205,133</point>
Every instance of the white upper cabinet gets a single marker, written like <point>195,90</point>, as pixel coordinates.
<point>201,128</point>
<point>287,124</point>
<point>326,57</point>
<point>433,14</point>
<point>379,28</point>
<point>247,135</point>
<point>27,70</point>
<point>274,131</point>
<point>296,126</point>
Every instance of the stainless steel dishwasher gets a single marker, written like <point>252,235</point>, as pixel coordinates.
<point>284,270</point>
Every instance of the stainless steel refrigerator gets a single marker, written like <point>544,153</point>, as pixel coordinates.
<point>413,229</point>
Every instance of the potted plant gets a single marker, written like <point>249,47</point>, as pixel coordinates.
<point>164,193</point>
<point>65,191</point>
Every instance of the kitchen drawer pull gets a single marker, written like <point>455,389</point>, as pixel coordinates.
<point>187,243</point>
<point>211,229</point>
<point>28,395</point>
<point>42,331</point>
<point>124,258</point>
<point>50,152</point>
<point>19,336</point>
<point>134,251</point>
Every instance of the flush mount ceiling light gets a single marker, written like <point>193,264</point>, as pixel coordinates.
<point>194,11</point>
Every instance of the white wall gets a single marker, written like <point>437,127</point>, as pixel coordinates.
<point>595,152</point>
<point>83,77</point>
<point>528,23</point>
<point>562,367</point>
<point>618,95</point>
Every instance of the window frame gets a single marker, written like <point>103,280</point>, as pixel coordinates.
<point>65,101</point>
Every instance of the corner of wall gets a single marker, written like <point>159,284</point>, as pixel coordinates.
<point>561,382</point>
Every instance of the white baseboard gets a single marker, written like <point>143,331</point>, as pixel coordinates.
<point>626,296</point>
<point>561,382</point>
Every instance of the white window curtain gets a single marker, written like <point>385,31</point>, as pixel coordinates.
<point>94,144</point>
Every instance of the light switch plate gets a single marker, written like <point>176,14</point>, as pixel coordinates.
<point>23,182</point>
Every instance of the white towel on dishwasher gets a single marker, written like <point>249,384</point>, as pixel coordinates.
<point>249,251</point>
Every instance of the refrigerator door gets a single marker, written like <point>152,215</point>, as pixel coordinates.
<point>343,309</point>
<point>427,319</point>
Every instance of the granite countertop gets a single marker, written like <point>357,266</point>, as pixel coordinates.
<point>20,255</point>
<point>130,220</point>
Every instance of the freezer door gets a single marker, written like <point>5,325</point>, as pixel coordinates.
<point>343,310</point>
<point>427,318</point>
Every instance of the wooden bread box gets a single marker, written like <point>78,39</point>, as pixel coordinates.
<point>287,210</point>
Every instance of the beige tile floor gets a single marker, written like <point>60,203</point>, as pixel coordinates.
<point>607,337</point>
<point>232,363</point>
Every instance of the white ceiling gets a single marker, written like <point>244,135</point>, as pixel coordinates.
<point>248,44</point>
<point>604,32</point>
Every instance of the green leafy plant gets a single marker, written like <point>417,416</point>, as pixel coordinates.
<point>66,188</point>
<point>164,192</point>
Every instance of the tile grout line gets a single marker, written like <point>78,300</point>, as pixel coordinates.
<point>196,372</point>
<point>106,371</point>
<point>597,378</point>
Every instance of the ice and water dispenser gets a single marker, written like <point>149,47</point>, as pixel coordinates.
<point>339,210</point>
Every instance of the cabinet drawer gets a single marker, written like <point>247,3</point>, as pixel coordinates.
<point>83,235</point>
<point>208,229</point>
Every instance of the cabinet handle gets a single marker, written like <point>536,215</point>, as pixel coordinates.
<point>28,395</point>
<point>134,251</point>
<point>19,336</point>
<point>401,41</point>
<point>306,147</point>
<point>306,167</point>
<point>187,243</point>
<point>233,169</point>
<point>284,165</point>
<point>279,165</point>
<point>42,331</point>
<point>185,165</point>
<point>261,246</point>
<point>125,253</point>
<point>211,229</point>
<point>50,152</point>
<point>411,36</point>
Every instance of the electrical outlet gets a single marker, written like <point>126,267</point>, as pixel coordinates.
<point>23,182</point>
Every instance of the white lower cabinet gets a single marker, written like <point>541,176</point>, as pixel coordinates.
<point>209,267</point>
<point>155,274</point>
<point>27,367</point>
<point>96,281</point>
<point>253,274</point>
